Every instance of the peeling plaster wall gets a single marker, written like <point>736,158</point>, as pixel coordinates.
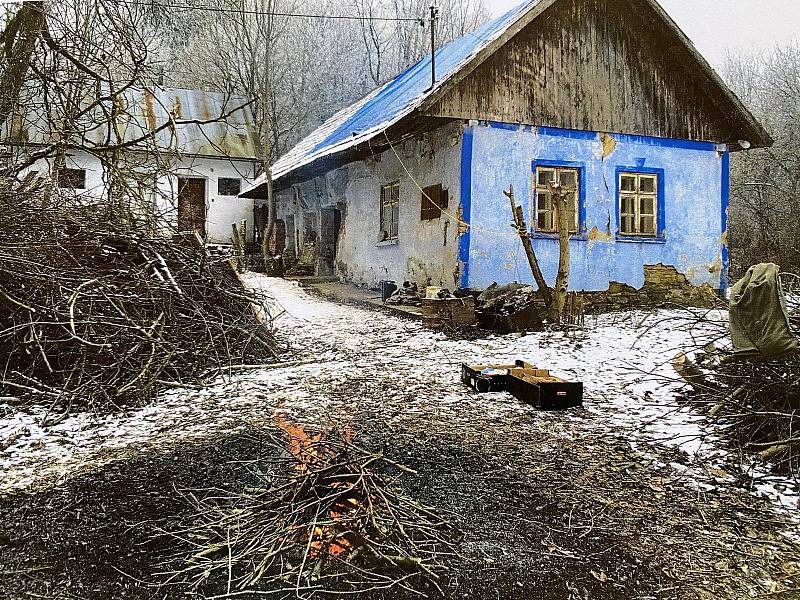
<point>426,252</point>
<point>693,199</point>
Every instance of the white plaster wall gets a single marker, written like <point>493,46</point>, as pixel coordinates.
<point>95,186</point>
<point>221,211</point>
<point>425,252</point>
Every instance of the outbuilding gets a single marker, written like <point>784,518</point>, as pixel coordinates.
<point>187,155</point>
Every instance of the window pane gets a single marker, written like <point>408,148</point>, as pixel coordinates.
<point>648,225</point>
<point>627,203</point>
<point>627,183</point>
<point>545,176</point>
<point>72,179</point>
<point>572,209</point>
<point>544,221</point>
<point>229,186</point>
<point>543,201</point>
<point>568,179</point>
<point>647,185</point>
<point>626,224</point>
<point>647,205</point>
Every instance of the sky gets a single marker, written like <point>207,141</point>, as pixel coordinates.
<point>720,26</point>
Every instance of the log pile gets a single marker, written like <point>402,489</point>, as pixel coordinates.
<point>95,314</point>
<point>323,517</point>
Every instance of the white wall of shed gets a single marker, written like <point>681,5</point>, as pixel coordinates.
<point>221,211</point>
<point>426,252</point>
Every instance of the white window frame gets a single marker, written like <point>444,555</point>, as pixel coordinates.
<point>389,226</point>
<point>633,203</point>
<point>542,209</point>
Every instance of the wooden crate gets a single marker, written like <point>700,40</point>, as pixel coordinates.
<point>538,387</point>
<point>438,313</point>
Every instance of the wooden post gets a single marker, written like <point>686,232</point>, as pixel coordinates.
<point>237,246</point>
<point>522,231</point>
<point>562,278</point>
<point>243,242</point>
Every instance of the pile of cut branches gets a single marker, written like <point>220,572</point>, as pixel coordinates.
<point>95,314</point>
<point>755,401</point>
<point>323,516</point>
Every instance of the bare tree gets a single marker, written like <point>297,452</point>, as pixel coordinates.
<point>765,183</point>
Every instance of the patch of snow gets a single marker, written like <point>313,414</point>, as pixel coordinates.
<point>623,360</point>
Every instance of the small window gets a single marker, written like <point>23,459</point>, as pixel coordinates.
<point>434,199</point>
<point>545,215</point>
<point>229,186</point>
<point>72,179</point>
<point>390,211</point>
<point>638,204</point>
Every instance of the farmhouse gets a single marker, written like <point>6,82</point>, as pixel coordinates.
<point>194,154</point>
<point>607,97</point>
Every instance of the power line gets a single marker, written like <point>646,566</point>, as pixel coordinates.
<point>270,13</point>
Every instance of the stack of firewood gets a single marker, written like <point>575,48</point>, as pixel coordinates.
<point>96,314</point>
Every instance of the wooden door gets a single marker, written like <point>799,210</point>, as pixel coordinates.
<point>192,205</point>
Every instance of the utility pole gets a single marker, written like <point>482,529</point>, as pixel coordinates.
<point>434,17</point>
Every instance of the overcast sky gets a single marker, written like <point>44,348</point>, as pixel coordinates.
<point>717,26</point>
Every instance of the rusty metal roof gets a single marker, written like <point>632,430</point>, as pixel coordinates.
<point>146,113</point>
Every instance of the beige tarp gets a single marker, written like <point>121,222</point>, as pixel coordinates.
<point>758,321</point>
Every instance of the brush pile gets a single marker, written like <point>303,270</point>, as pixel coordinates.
<point>322,517</point>
<point>759,402</point>
<point>754,400</point>
<point>97,315</point>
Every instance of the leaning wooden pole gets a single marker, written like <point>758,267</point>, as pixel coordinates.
<point>524,236</point>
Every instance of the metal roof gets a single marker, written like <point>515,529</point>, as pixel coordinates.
<point>146,111</point>
<point>411,90</point>
<point>392,101</point>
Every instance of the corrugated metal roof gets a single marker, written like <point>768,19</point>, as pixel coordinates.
<point>394,100</point>
<point>147,110</point>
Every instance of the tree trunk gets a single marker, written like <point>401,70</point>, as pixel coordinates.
<point>522,231</point>
<point>18,40</point>
<point>562,278</point>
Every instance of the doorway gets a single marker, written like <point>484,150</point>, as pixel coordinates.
<point>330,226</point>
<point>192,205</point>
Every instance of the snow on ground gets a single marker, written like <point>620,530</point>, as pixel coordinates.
<point>622,359</point>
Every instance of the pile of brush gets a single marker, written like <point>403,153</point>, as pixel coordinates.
<point>96,314</point>
<point>754,400</point>
<point>758,404</point>
<point>322,517</point>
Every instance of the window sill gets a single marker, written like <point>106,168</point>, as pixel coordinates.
<point>578,237</point>
<point>386,243</point>
<point>641,240</point>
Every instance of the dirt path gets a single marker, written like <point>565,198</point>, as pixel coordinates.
<point>629,497</point>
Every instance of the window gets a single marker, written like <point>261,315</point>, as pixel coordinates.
<point>72,179</point>
<point>569,180</point>
<point>229,186</point>
<point>390,211</point>
<point>638,204</point>
<point>434,199</point>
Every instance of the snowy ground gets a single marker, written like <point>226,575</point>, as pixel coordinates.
<point>359,357</point>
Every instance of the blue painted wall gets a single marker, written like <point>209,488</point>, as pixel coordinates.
<point>693,176</point>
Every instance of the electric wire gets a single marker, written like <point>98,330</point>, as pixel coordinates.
<point>217,9</point>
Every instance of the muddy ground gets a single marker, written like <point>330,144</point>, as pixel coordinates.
<point>573,505</point>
